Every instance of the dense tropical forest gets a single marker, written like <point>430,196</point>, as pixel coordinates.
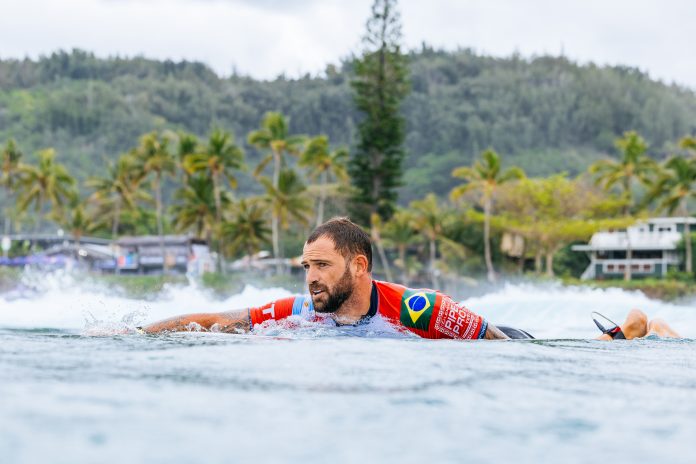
<point>544,114</point>
<point>505,161</point>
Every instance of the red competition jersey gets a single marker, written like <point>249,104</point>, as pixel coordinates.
<point>427,313</point>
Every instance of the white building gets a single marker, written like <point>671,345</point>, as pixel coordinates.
<point>653,244</point>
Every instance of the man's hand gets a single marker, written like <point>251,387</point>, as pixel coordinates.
<point>230,322</point>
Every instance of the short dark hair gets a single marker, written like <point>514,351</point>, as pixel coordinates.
<point>349,238</point>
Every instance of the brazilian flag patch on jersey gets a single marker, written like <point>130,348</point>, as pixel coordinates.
<point>417,309</point>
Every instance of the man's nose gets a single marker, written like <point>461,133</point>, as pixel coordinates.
<point>310,275</point>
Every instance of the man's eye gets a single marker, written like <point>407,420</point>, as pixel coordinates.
<point>322,264</point>
<point>306,267</point>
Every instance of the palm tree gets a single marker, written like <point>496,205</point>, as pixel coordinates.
<point>674,187</point>
<point>485,177</point>
<point>10,159</point>
<point>78,222</point>
<point>121,188</point>
<point>274,138</point>
<point>288,201</point>
<point>247,228</point>
<point>155,159</point>
<point>400,232</point>
<point>48,182</point>
<point>197,208</point>
<point>187,146</point>
<point>634,165</point>
<point>220,159</point>
<point>688,143</point>
<point>376,236</point>
<point>322,163</point>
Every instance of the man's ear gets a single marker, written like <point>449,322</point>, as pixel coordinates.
<point>360,263</point>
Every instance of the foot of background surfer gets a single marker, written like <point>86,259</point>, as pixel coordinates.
<point>637,325</point>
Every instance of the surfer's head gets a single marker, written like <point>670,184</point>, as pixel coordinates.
<point>336,254</point>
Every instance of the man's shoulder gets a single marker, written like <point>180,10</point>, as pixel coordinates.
<point>298,305</point>
<point>401,290</point>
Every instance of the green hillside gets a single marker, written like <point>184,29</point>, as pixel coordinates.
<point>544,114</point>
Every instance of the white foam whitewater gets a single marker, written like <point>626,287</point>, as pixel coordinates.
<point>64,301</point>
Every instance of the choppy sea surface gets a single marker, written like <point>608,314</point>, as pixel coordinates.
<point>73,390</point>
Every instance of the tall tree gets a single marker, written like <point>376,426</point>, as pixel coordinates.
<point>120,189</point>
<point>156,160</point>
<point>78,222</point>
<point>380,86</point>
<point>554,211</point>
<point>634,166</point>
<point>322,163</point>
<point>484,177</point>
<point>288,201</point>
<point>673,189</point>
<point>274,137</point>
<point>196,207</point>
<point>400,232</point>
<point>46,183</point>
<point>688,143</point>
<point>187,145</point>
<point>428,221</point>
<point>11,156</point>
<point>220,159</point>
<point>247,227</point>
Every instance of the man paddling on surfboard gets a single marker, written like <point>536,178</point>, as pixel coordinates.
<point>337,258</point>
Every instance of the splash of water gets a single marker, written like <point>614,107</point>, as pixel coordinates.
<point>66,301</point>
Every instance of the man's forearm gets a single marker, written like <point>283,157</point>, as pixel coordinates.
<point>232,321</point>
<point>494,333</point>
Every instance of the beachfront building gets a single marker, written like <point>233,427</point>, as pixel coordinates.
<point>143,255</point>
<point>55,251</point>
<point>653,243</point>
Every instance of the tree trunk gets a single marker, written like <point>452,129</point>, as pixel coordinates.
<point>117,217</point>
<point>404,270</point>
<point>629,248</point>
<point>160,227</point>
<point>487,239</point>
<point>687,239</point>
<point>7,220</point>
<point>322,199</point>
<point>537,262</point>
<point>275,220</point>
<point>377,239</point>
<point>520,264</point>
<point>549,263</point>
<point>114,231</point>
<point>433,258</point>
<point>218,225</point>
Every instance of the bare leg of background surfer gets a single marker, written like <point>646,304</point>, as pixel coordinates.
<point>635,326</point>
<point>660,328</point>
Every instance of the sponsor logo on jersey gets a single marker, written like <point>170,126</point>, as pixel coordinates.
<point>456,321</point>
<point>417,309</point>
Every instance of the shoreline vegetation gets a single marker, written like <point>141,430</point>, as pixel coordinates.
<point>264,184</point>
<point>219,286</point>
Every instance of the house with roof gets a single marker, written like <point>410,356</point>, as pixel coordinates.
<point>653,243</point>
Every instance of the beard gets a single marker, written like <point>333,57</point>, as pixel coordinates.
<point>336,296</point>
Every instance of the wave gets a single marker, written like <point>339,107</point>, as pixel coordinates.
<point>66,301</point>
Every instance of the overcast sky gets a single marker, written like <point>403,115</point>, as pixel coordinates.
<point>264,38</point>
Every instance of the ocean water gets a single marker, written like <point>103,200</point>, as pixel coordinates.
<point>74,390</point>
